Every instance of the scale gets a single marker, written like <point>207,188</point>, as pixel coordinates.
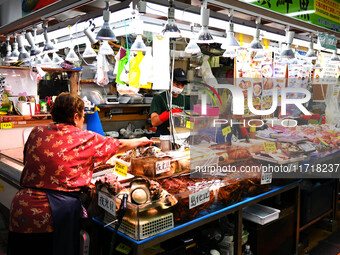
<point>111,99</point>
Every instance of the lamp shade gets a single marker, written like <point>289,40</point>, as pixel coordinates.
<point>105,49</point>
<point>334,58</point>
<point>15,53</point>
<point>56,59</point>
<point>256,43</point>
<point>230,53</point>
<point>34,50</point>
<point>89,52</point>
<point>46,60</point>
<point>192,47</point>
<point>138,45</point>
<point>71,56</point>
<point>204,36</point>
<point>230,42</point>
<point>310,53</point>
<point>106,33</point>
<point>171,30</point>
<point>23,54</point>
<point>288,52</point>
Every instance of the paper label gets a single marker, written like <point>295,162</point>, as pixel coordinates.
<point>226,130</point>
<point>199,198</point>
<point>189,125</point>
<point>123,248</point>
<point>121,169</point>
<point>162,166</point>
<point>269,147</point>
<point>106,203</point>
<point>6,125</point>
<point>266,178</point>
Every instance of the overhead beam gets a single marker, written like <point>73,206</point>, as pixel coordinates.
<point>36,16</point>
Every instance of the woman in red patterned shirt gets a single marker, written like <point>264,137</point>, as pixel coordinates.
<point>59,160</point>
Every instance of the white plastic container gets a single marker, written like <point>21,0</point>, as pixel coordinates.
<point>24,108</point>
<point>260,214</point>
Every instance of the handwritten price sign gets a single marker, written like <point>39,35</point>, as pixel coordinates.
<point>199,198</point>
<point>121,169</point>
<point>106,203</point>
<point>6,125</point>
<point>226,130</point>
<point>162,166</point>
<point>269,147</point>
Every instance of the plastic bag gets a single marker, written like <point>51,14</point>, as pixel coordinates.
<point>207,74</point>
<point>134,73</point>
<point>102,77</point>
<point>121,64</point>
<point>146,70</point>
<point>124,75</point>
<point>332,111</point>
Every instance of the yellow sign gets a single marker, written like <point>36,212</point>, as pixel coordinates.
<point>269,147</point>
<point>328,9</point>
<point>123,248</point>
<point>6,125</point>
<point>189,125</point>
<point>226,130</point>
<point>121,169</point>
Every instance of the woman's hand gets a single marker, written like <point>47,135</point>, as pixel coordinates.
<point>128,144</point>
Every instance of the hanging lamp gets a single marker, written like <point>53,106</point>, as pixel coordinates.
<point>106,33</point>
<point>170,28</point>
<point>204,35</point>
<point>230,43</point>
<point>192,47</point>
<point>288,51</point>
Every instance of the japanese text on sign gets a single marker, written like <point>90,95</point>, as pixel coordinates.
<point>106,203</point>
<point>266,178</point>
<point>269,147</point>
<point>121,169</point>
<point>199,198</point>
<point>162,166</point>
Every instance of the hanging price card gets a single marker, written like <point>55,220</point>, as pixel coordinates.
<point>121,169</point>
<point>226,130</point>
<point>162,166</point>
<point>199,198</point>
<point>106,203</point>
<point>266,178</point>
<point>269,147</point>
<point>189,125</point>
<point>6,125</point>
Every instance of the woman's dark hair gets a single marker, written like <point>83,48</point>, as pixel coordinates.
<point>65,107</point>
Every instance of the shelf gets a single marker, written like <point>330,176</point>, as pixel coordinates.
<point>47,69</point>
<point>122,105</point>
<point>88,81</point>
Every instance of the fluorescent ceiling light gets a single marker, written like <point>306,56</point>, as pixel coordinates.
<point>300,13</point>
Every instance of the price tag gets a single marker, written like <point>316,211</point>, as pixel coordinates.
<point>121,169</point>
<point>226,130</point>
<point>162,166</point>
<point>123,248</point>
<point>6,125</point>
<point>106,203</point>
<point>199,198</point>
<point>269,147</point>
<point>189,125</point>
<point>266,178</point>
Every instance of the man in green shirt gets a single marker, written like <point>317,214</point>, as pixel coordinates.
<point>160,110</point>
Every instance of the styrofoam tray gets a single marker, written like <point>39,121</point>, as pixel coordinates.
<point>260,214</point>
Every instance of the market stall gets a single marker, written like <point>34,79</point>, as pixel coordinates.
<point>259,123</point>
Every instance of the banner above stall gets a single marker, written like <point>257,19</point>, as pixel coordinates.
<point>323,13</point>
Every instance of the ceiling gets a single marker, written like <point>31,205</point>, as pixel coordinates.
<point>68,12</point>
